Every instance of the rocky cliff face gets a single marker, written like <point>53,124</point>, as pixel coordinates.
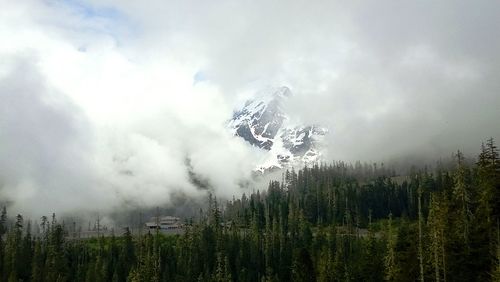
<point>263,123</point>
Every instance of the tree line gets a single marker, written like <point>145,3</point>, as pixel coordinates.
<point>334,222</point>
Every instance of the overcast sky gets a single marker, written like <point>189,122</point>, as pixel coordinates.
<point>102,101</point>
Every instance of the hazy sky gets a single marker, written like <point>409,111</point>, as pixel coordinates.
<point>102,101</point>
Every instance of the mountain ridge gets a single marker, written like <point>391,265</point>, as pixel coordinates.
<point>263,123</point>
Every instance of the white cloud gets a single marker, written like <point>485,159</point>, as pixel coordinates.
<point>110,85</point>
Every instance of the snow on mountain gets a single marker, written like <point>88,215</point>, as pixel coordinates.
<point>263,123</point>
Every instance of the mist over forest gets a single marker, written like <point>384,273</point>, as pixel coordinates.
<point>318,134</point>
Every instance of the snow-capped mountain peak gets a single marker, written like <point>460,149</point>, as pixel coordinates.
<point>263,123</point>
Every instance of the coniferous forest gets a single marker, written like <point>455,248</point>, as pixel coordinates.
<point>337,222</point>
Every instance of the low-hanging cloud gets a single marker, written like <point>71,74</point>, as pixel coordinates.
<point>55,159</point>
<point>111,103</point>
<point>43,142</point>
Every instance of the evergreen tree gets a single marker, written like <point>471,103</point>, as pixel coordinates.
<point>391,268</point>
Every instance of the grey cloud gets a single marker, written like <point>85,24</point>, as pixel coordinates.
<point>43,141</point>
<point>387,78</point>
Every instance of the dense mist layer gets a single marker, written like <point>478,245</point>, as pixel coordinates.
<point>112,104</point>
